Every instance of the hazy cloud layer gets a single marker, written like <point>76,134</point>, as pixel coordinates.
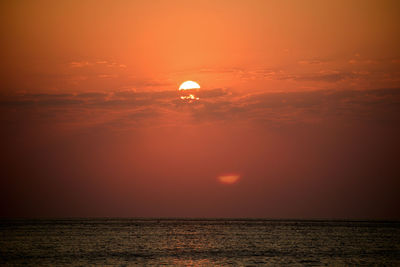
<point>128,108</point>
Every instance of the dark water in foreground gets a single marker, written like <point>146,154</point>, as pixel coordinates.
<point>143,242</point>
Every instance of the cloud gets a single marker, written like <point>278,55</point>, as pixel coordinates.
<point>124,109</point>
<point>304,107</point>
<point>92,95</point>
<point>85,63</point>
<point>218,92</point>
<point>80,64</point>
<point>107,76</point>
<point>312,62</point>
<point>325,76</point>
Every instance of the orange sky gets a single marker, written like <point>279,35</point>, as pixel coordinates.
<point>300,99</point>
<point>73,46</point>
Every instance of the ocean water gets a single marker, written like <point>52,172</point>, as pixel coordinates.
<point>199,242</point>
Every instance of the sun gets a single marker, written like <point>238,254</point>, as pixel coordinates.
<point>188,91</point>
<point>189,85</point>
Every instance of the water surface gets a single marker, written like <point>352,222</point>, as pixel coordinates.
<point>139,242</point>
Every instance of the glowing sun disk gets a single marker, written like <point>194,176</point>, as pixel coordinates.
<point>189,85</point>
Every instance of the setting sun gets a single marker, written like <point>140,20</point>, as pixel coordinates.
<point>189,85</point>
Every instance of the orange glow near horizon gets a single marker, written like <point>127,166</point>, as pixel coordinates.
<point>228,178</point>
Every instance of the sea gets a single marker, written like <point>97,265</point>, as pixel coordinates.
<point>198,242</point>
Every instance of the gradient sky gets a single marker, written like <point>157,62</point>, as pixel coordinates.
<point>299,99</point>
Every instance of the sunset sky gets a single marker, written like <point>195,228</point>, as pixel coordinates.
<point>298,113</point>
